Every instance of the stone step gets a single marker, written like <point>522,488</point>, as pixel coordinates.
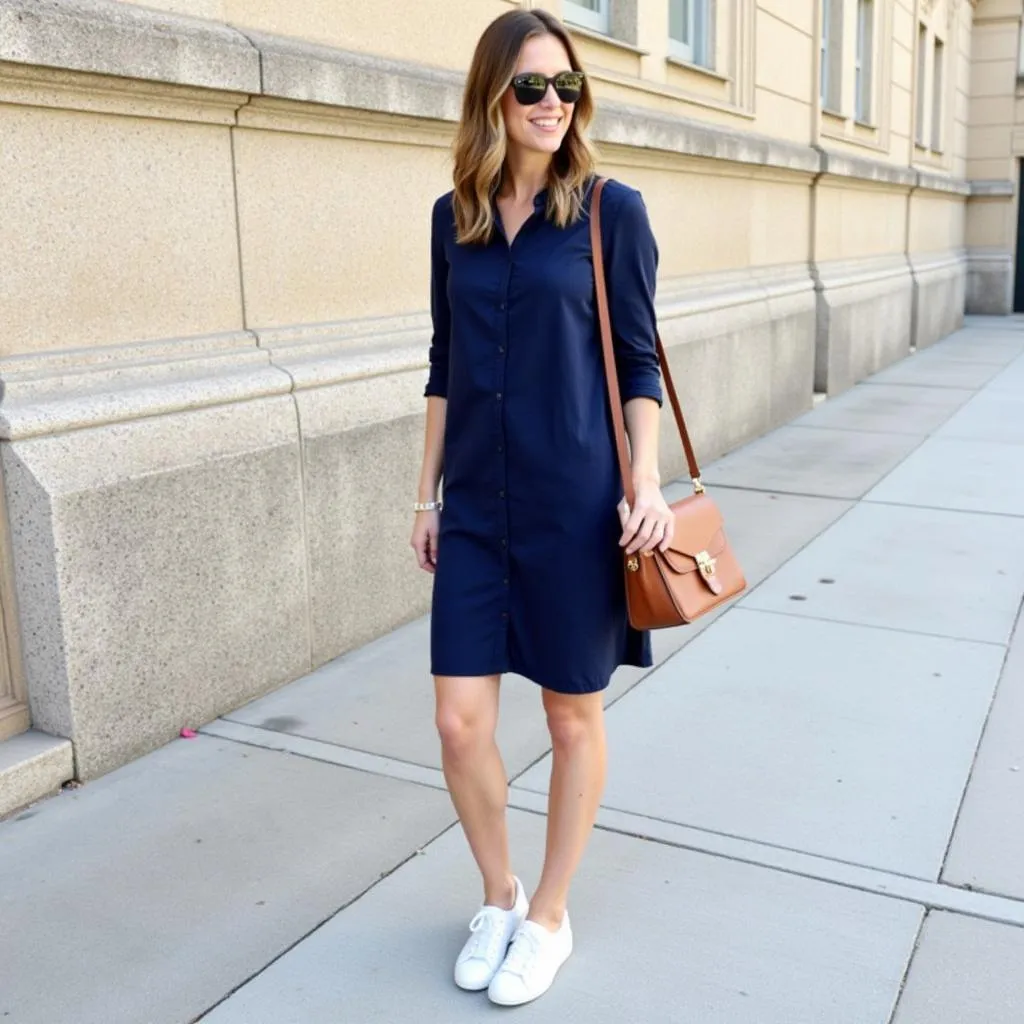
<point>32,765</point>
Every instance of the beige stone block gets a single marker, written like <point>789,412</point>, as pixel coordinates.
<point>334,228</point>
<point>903,31</point>
<point>864,320</point>
<point>989,282</point>
<point>996,41</point>
<point>360,483</point>
<point>741,220</point>
<point>936,222</point>
<point>990,168</point>
<point>160,569</point>
<point>940,286</point>
<point>854,222</point>
<point>991,223</point>
<point>596,53</point>
<point>994,110</point>
<point>440,34</point>
<point>783,57</point>
<point>114,229</point>
<point>993,78</point>
<point>798,15</point>
<point>901,121</point>
<point>902,66</point>
<point>782,116</point>
<point>988,141</point>
<point>995,10</point>
<point>741,347</point>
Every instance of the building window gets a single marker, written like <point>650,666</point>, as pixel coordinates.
<point>922,60</point>
<point>865,59</point>
<point>937,73</point>
<point>689,23</point>
<point>831,54</point>
<point>592,14</point>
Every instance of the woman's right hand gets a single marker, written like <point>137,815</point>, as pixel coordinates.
<point>424,539</point>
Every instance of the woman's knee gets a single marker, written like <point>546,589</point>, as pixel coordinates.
<point>459,732</point>
<point>464,725</point>
<point>573,722</point>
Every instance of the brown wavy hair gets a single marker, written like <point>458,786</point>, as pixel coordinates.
<point>481,142</point>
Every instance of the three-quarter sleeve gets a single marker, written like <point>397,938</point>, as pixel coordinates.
<point>631,256</point>
<point>440,311</point>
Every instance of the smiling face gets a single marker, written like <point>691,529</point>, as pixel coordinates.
<point>540,127</point>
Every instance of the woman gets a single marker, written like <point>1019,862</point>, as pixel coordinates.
<point>527,553</point>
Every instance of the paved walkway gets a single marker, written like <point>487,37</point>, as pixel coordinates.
<point>814,806</point>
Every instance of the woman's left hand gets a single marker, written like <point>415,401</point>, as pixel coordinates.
<point>650,523</point>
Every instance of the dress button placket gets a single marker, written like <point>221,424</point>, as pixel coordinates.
<point>502,459</point>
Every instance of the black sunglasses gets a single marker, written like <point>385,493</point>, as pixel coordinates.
<point>531,87</point>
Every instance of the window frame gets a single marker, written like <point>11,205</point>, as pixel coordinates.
<point>864,63</point>
<point>831,55</point>
<point>698,26</point>
<point>596,21</point>
<point>938,74</point>
<point>921,106</point>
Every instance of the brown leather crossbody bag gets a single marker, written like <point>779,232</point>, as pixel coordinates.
<point>698,570</point>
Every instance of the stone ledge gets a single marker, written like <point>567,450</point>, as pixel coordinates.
<point>641,128</point>
<point>51,393</point>
<point>942,183</point>
<point>310,72</point>
<point>120,39</point>
<point>32,765</point>
<point>48,393</point>
<point>992,188</point>
<point>844,166</point>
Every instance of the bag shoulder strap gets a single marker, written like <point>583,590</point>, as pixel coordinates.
<point>611,374</point>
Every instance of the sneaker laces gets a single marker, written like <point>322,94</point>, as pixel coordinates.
<point>488,928</point>
<point>525,947</point>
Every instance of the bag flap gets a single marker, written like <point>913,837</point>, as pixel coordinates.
<point>699,527</point>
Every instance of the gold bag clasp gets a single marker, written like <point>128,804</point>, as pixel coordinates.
<point>705,563</point>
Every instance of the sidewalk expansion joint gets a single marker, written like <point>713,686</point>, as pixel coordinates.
<point>330,753</point>
<point>872,625</point>
<point>920,891</point>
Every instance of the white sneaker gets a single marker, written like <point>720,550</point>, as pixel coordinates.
<point>531,964</point>
<point>492,930</point>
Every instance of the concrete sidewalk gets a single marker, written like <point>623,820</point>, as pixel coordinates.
<point>813,812</point>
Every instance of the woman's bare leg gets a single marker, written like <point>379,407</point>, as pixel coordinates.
<point>576,723</point>
<point>467,717</point>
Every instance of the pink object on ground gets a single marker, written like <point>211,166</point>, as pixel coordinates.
<point>189,734</point>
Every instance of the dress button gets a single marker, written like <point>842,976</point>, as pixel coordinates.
<point>501,305</point>
<point>501,348</point>
<point>504,542</point>
<point>498,396</point>
<point>501,448</point>
<point>506,581</point>
<point>501,494</point>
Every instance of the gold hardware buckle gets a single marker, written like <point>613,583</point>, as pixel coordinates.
<point>633,563</point>
<point>705,563</point>
<point>698,487</point>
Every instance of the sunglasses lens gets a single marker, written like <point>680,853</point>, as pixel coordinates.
<point>569,85</point>
<point>529,89</point>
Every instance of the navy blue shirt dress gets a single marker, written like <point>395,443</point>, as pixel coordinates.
<point>529,572</point>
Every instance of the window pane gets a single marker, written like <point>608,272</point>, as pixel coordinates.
<point>865,56</point>
<point>937,88</point>
<point>592,14</point>
<point>922,57</point>
<point>679,21</point>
